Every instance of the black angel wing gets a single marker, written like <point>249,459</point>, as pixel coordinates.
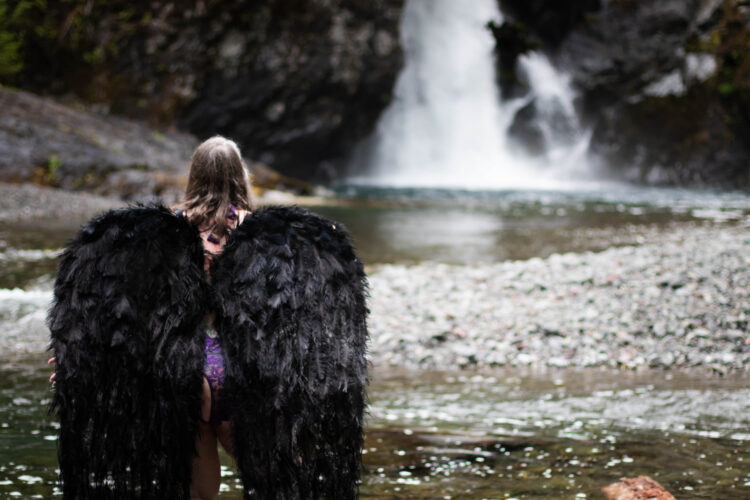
<point>128,304</point>
<point>291,314</point>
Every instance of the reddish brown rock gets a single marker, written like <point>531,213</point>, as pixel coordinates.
<point>636,488</point>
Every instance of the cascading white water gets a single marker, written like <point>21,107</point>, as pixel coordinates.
<point>447,126</point>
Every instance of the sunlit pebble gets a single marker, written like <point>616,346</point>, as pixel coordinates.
<point>50,438</point>
<point>626,459</point>
<point>400,453</point>
<point>5,482</point>
<point>408,432</point>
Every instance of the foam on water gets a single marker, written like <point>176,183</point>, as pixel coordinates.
<point>22,320</point>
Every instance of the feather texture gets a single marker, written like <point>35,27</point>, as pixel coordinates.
<point>125,325</point>
<point>128,304</point>
<point>292,313</point>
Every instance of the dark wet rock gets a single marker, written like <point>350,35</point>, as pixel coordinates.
<point>511,41</point>
<point>551,21</point>
<point>48,143</point>
<point>665,89</point>
<point>535,130</point>
<point>665,86</point>
<point>636,488</point>
<point>296,83</point>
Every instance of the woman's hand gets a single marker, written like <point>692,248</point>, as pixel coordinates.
<point>51,361</point>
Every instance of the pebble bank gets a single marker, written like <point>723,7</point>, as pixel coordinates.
<point>680,300</point>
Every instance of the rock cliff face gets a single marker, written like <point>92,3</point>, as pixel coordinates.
<point>48,143</point>
<point>665,86</point>
<point>295,82</point>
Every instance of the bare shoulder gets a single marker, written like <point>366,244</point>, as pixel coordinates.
<point>242,213</point>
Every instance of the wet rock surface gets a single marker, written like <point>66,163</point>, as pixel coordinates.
<point>636,488</point>
<point>682,299</point>
<point>46,142</point>
<point>665,86</point>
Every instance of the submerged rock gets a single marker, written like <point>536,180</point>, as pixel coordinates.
<point>636,488</point>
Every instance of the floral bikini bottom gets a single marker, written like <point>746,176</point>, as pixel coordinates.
<point>214,372</point>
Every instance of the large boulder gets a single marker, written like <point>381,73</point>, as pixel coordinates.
<point>49,143</point>
<point>296,82</point>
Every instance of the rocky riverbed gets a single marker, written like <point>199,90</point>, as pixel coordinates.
<point>674,297</point>
<point>680,300</point>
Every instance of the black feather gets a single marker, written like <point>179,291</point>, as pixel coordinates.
<point>130,296</point>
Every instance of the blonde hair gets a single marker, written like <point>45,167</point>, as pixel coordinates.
<point>217,181</point>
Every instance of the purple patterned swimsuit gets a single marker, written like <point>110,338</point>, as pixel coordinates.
<point>213,370</point>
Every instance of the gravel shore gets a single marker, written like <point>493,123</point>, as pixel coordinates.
<point>680,300</point>
<point>20,202</point>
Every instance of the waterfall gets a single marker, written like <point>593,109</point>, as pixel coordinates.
<point>447,125</point>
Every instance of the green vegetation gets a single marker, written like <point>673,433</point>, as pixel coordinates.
<point>11,39</point>
<point>53,165</point>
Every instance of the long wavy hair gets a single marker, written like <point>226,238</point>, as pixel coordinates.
<point>217,181</point>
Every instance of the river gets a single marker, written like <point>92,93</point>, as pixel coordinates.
<point>513,433</point>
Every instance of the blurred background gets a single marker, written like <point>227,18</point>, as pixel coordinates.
<point>471,133</point>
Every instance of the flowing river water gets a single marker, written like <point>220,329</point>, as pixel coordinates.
<point>452,434</point>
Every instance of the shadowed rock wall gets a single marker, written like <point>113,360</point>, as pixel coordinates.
<point>295,82</point>
<point>665,86</point>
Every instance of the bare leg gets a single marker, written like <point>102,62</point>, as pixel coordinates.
<point>206,473</point>
<point>224,433</point>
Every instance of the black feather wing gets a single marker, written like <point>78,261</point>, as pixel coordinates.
<point>128,304</point>
<point>292,322</point>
